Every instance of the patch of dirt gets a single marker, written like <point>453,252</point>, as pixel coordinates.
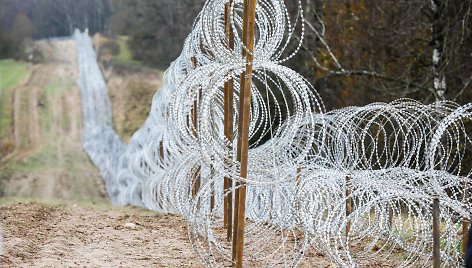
<point>39,235</point>
<point>67,235</point>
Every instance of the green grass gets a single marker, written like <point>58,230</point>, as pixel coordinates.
<point>56,87</point>
<point>125,53</point>
<point>65,122</point>
<point>45,156</point>
<point>11,74</point>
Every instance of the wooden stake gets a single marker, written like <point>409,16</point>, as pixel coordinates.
<point>436,234</point>
<point>194,114</point>
<point>249,14</point>
<point>161,151</point>
<point>299,171</point>
<point>212,192</point>
<point>348,204</point>
<point>465,222</point>
<point>228,129</point>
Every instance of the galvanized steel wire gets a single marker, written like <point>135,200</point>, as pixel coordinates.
<point>394,158</point>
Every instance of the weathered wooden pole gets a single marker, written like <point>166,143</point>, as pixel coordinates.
<point>390,217</point>
<point>465,222</point>
<point>299,175</point>
<point>194,115</point>
<point>348,204</point>
<point>436,234</point>
<point>161,151</point>
<point>212,191</point>
<point>228,129</point>
<point>249,17</point>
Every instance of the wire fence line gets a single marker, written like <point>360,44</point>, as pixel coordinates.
<point>356,184</point>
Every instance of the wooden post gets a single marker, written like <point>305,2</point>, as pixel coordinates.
<point>212,192</point>
<point>249,17</point>
<point>436,234</point>
<point>161,151</point>
<point>299,171</point>
<point>194,115</point>
<point>348,204</point>
<point>465,222</point>
<point>228,129</point>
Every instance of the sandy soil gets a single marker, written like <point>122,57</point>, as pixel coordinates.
<point>99,235</point>
<point>39,235</point>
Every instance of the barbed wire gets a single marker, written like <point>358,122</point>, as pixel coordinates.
<point>356,184</point>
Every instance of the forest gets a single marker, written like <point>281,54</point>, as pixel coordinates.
<point>354,52</point>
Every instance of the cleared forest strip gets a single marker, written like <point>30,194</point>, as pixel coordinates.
<point>44,126</point>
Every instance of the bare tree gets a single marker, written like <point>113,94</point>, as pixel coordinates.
<point>364,51</point>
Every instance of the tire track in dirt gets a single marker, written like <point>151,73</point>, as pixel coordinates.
<point>25,120</point>
<point>35,129</point>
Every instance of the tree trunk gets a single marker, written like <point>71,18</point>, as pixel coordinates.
<point>437,43</point>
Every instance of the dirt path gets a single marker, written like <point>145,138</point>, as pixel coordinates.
<point>35,130</point>
<point>48,161</point>
<point>39,235</point>
<point>26,116</point>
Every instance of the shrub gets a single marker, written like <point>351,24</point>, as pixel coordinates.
<point>109,46</point>
<point>6,147</point>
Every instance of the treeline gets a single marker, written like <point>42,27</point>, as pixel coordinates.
<point>362,51</point>
<point>354,51</point>
<point>25,20</point>
<point>157,28</point>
